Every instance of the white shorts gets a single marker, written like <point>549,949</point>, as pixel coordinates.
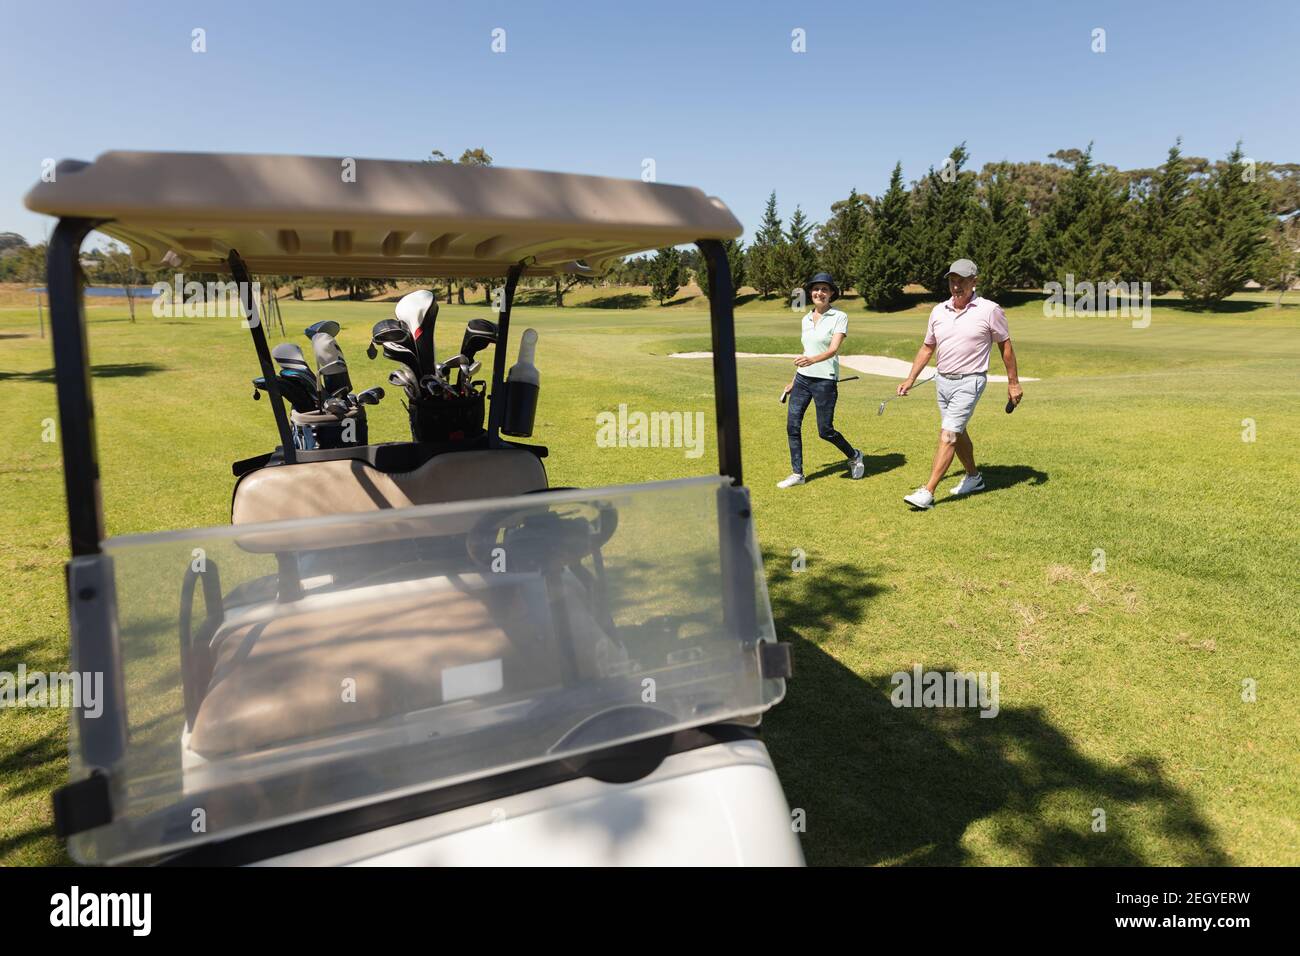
<point>957,398</point>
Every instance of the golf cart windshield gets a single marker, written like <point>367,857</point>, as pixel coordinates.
<point>332,661</point>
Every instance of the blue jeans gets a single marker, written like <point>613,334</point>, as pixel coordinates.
<point>823,392</point>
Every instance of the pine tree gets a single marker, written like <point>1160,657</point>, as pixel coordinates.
<point>796,258</point>
<point>1227,236</point>
<point>1158,224</point>
<point>881,265</point>
<point>762,264</point>
<point>1082,231</point>
<point>735,259</point>
<point>839,239</point>
<point>940,204</point>
<point>996,235</point>
<point>665,274</point>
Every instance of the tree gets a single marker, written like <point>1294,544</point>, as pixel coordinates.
<point>1158,222</point>
<point>796,259</point>
<point>940,203</point>
<point>996,236</point>
<point>566,281</point>
<point>121,270</point>
<point>840,237</point>
<point>477,156</point>
<point>762,264</point>
<point>11,243</point>
<point>735,260</point>
<point>1082,231</point>
<point>881,266</point>
<point>665,274</point>
<point>1227,236</point>
<point>1280,262</point>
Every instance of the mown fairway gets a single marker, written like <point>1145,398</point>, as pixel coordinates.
<point>1121,691</point>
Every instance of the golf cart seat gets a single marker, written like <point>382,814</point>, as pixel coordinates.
<point>439,640</point>
<point>317,488</point>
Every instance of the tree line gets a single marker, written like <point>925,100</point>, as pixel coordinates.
<point>1199,227</point>
<point>1191,225</point>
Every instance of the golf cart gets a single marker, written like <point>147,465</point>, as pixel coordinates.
<point>412,652</point>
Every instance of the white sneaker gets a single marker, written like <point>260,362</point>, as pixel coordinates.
<point>790,482</point>
<point>857,467</point>
<point>968,485</point>
<point>921,499</point>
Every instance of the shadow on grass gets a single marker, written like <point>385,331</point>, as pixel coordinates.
<point>997,478</point>
<point>881,784</point>
<point>124,370</point>
<point>876,465</point>
<point>625,300</point>
<point>17,335</point>
<point>680,301</point>
<point>38,766</point>
<point>1228,307</point>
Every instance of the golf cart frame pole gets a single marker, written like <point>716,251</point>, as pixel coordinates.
<point>722,319</point>
<point>72,378</point>
<point>734,516</point>
<point>496,407</point>
<point>248,301</point>
<point>92,603</point>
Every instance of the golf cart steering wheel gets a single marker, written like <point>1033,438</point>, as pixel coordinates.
<point>536,540</point>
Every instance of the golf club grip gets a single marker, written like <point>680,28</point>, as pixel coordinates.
<point>1011,406</point>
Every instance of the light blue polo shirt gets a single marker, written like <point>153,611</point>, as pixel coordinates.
<point>817,333</point>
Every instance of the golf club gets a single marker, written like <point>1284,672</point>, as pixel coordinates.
<point>371,396</point>
<point>435,381</point>
<point>395,340</point>
<point>465,380</point>
<point>298,386</point>
<point>330,365</point>
<point>288,355</point>
<point>479,334</point>
<point>881,409</point>
<point>336,407</point>
<point>456,361</point>
<point>404,377</point>
<point>328,326</point>
<point>418,311</point>
<point>1011,406</point>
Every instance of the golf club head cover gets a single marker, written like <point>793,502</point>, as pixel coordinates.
<point>418,310</point>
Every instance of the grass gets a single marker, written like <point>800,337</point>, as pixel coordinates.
<point>1121,691</point>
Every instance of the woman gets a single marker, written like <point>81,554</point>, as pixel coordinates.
<point>816,372</point>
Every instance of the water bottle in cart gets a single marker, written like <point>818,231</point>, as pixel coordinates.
<point>522,389</point>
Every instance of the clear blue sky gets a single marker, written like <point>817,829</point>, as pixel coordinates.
<point>711,92</point>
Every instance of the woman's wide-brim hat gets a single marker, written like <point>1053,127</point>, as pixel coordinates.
<point>822,277</point>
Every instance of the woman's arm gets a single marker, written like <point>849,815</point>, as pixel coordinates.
<point>836,340</point>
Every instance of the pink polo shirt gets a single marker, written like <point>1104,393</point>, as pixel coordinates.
<point>966,336</point>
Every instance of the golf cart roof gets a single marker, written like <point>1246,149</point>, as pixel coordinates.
<point>305,215</point>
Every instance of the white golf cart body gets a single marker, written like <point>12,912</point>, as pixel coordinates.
<point>413,654</point>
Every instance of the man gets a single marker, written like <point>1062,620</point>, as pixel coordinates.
<point>963,330</point>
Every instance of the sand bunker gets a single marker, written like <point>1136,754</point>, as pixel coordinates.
<point>867,364</point>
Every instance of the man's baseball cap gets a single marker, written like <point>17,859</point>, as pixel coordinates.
<point>962,267</point>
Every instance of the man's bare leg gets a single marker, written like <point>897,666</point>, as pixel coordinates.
<point>942,459</point>
<point>966,453</point>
